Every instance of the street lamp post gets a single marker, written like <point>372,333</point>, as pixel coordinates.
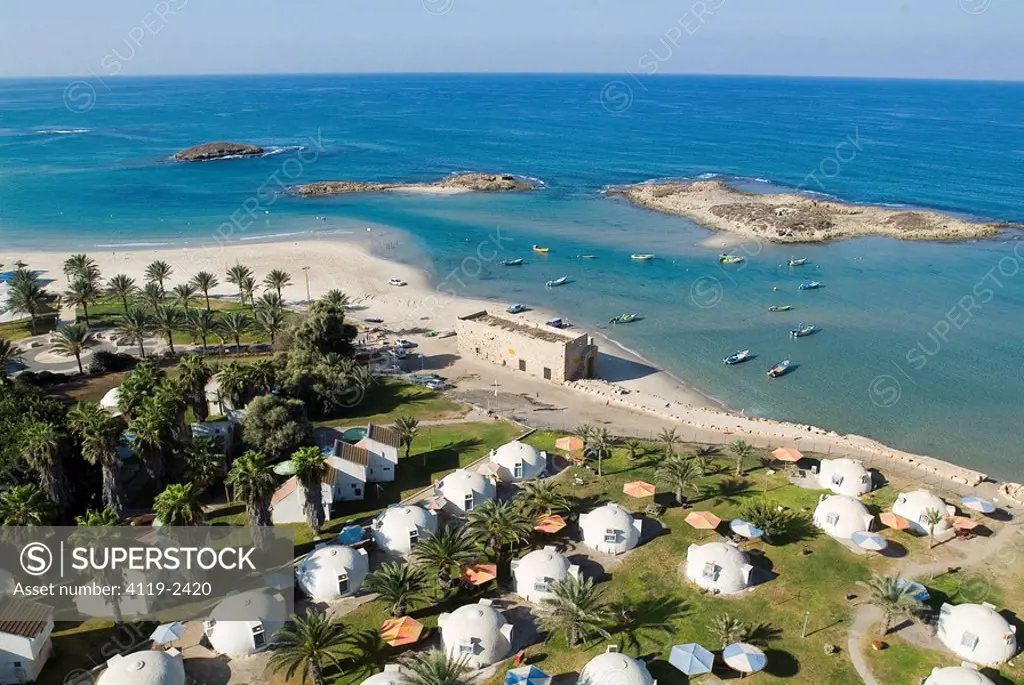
<point>305,270</point>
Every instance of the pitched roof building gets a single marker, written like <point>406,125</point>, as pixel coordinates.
<point>25,646</point>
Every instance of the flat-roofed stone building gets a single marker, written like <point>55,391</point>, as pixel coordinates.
<point>550,353</point>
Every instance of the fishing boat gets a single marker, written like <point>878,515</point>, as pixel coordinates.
<point>779,369</point>
<point>780,308</point>
<point>557,282</point>
<point>737,358</point>
<point>729,258</point>
<point>810,285</point>
<point>793,261</point>
<point>641,257</point>
<point>623,318</point>
<point>801,330</point>
<point>542,250</point>
<point>512,262</point>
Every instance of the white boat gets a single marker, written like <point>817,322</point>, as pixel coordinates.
<point>557,282</point>
<point>793,261</point>
<point>641,257</point>
<point>737,358</point>
<point>729,259</point>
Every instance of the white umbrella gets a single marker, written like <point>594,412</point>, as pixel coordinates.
<point>872,542</point>
<point>978,504</point>
<point>744,658</point>
<point>745,529</point>
<point>168,632</point>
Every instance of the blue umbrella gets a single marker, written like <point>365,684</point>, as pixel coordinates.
<point>350,535</point>
<point>917,591</point>
<point>527,675</point>
<point>691,659</point>
<point>873,542</point>
<point>978,504</point>
<point>168,632</point>
<point>744,658</point>
<point>747,530</point>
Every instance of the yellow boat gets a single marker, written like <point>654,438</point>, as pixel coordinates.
<point>542,250</point>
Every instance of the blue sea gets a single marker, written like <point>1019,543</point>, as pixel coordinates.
<point>919,344</point>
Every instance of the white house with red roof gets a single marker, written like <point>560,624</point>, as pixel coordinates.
<point>25,628</point>
<point>345,481</point>
<point>383,443</point>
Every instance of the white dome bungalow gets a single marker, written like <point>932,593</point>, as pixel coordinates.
<point>615,668</point>
<point>245,623</point>
<point>610,529</point>
<point>392,675</point>
<point>398,528</point>
<point>478,633</point>
<point>465,491</point>
<point>516,461</point>
<point>150,667</point>
<point>844,477</point>
<point>539,570</point>
<point>841,516</point>
<point>957,675</point>
<point>331,572</point>
<point>977,633</point>
<point>718,567</point>
<point>914,507</point>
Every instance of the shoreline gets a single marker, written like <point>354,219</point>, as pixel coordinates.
<point>350,265</point>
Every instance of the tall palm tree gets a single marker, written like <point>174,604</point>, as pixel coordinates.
<point>26,295</point>
<point>178,505</point>
<point>407,428</point>
<point>270,300</point>
<point>183,293</point>
<point>204,463</point>
<point>307,645</point>
<point>194,373</point>
<point>669,438</point>
<point>446,553</point>
<point>25,505</point>
<point>262,376</point>
<point>204,282</point>
<point>741,450</point>
<point>253,481</point>
<point>602,442</point>
<point>167,320</point>
<point>99,434</point>
<point>153,426</point>
<point>134,326</point>
<point>72,340</point>
<point>336,299</point>
<point>152,295</point>
<point>44,446</point>
<point>542,497</point>
<point>236,276</point>
<point>932,518</point>
<point>894,597</point>
<point>269,322</point>
<point>158,272</point>
<point>705,456</point>
<point>633,447</point>
<point>235,382</point>
<point>398,586</point>
<point>679,474</point>
<point>576,609</point>
<point>81,266</point>
<point>137,387</point>
<point>584,431</point>
<point>434,667</point>
<point>82,293</point>
<point>499,525</point>
<point>234,325</point>
<point>123,288</point>
<point>276,280</point>
<point>201,322</point>
<point>248,288</point>
<point>9,354</point>
<point>310,469</point>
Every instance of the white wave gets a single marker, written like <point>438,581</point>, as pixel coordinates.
<point>113,245</point>
<point>273,235</point>
<point>62,131</point>
<point>284,148</point>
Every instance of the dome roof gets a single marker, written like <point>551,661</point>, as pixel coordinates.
<point>235,620</point>
<point>913,507</point>
<point>844,477</point>
<point>392,675</point>
<point>957,675</point>
<point>515,454</point>
<point>718,566</point>
<point>841,516</point>
<point>541,566</point>
<point>478,632</point>
<point>977,633</point>
<point>614,668</point>
<point>145,668</point>
<point>458,485</point>
<point>393,527</point>
<point>319,574</point>
<point>610,529</point>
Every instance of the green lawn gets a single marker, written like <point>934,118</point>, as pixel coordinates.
<point>19,330</point>
<point>392,398</point>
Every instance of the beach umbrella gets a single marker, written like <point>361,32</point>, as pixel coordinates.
<point>478,574</point>
<point>435,503</point>
<point>703,520</point>
<point>691,659</point>
<point>745,529</point>
<point>979,505</point>
<point>639,489</point>
<point>963,523</point>
<point>168,632</point>
<point>894,521</point>
<point>527,675</point>
<point>569,443</point>
<point>488,470</point>
<point>401,631</point>
<point>350,535</point>
<point>744,658</point>
<point>915,590</point>
<point>550,524</point>
<point>788,454</point>
<point>872,542</point>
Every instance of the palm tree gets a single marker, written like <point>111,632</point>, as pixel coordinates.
<point>81,266</point>
<point>201,322</point>
<point>276,280</point>
<point>894,597</point>
<point>270,300</point>
<point>407,428</point>
<point>498,525</point>
<point>397,585</point>
<point>103,517</point>
<point>633,447</point>
<point>158,272</point>
<point>194,373</point>
<point>584,431</point>
<point>82,293</point>
<point>270,322</point>
<point>253,481</point>
<point>154,426</point>
<point>262,376</point>
<point>234,325</point>
<point>669,438</point>
<point>137,387</point>
<point>134,326</point>
<point>178,505</point>
<point>167,320</point>
<point>336,299</point>
<point>26,296</point>
<point>741,450</point>
<point>729,629</point>
<point>679,474</point>
<point>183,292</point>
<point>310,469</point>
<point>248,288</point>
<point>434,667</point>
<point>307,645</point>
<point>204,463</point>
<point>153,295</point>
<point>932,518</point>
<point>122,287</point>
<point>237,276</point>
<point>9,354</point>
<point>576,608</point>
<point>204,282</point>
<point>705,456</point>
<point>25,505</point>
<point>99,434</point>
<point>446,552</point>
<point>235,384</point>
<point>542,497</point>
<point>602,443</point>
<point>43,445</point>
<point>72,341</point>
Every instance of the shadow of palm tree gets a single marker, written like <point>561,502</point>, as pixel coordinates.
<point>763,634</point>
<point>649,619</point>
<point>727,491</point>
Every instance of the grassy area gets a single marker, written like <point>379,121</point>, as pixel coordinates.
<point>19,330</point>
<point>393,398</point>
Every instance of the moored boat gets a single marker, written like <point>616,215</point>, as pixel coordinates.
<point>810,285</point>
<point>542,250</point>
<point>641,257</point>
<point>737,358</point>
<point>512,262</point>
<point>779,369</point>
<point>801,330</point>
<point>623,318</point>
<point>793,261</point>
<point>557,282</point>
<point>780,308</point>
<point>729,258</point>
<point>587,256</point>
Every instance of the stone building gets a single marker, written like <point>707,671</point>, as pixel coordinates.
<point>543,351</point>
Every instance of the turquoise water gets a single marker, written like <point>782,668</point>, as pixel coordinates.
<point>918,342</point>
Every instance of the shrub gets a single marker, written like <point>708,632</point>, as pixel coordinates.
<point>104,361</point>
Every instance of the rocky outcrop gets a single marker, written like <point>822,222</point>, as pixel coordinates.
<point>468,182</point>
<point>220,150</point>
<point>487,183</point>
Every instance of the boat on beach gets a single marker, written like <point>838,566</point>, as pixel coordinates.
<point>623,318</point>
<point>802,330</point>
<point>542,250</point>
<point>512,262</point>
<point>780,369</point>
<point>793,261</point>
<point>810,285</point>
<point>729,259</point>
<point>557,323</point>
<point>737,358</point>
<point>557,282</point>
<point>641,257</point>
<point>780,308</point>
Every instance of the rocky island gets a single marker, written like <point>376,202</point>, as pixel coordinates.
<point>220,150</point>
<point>791,218</point>
<point>456,183</point>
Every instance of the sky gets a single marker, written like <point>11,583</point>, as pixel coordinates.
<point>956,39</point>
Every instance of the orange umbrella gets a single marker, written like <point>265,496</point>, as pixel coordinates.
<point>550,524</point>
<point>703,520</point>
<point>401,631</point>
<point>436,503</point>
<point>569,443</point>
<point>788,454</point>
<point>894,521</point>
<point>963,523</point>
<point>488,470</point>
<point>638,488</point>
<point>478,574</point>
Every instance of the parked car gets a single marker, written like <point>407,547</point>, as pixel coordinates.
<point>396,282</point>
<point>402,342</point>
<point>424,378</point>
<point>437,385</point>
<point>515,309</point>
<point>373,319</point>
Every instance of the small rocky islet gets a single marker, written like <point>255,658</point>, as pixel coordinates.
<point>217,150</point>
<point>476,182</point>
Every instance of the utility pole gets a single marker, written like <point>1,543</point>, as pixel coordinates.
<point>803,633</point>
<point>305,269</point>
